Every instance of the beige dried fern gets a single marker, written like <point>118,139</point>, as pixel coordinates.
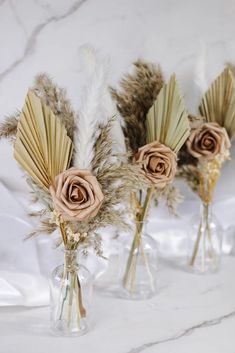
<point>42,146</point>
<point>218,103</point>
<point>167,119</point>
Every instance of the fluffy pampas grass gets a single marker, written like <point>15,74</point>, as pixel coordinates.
<point>138,91</point>
<point>91,113</point>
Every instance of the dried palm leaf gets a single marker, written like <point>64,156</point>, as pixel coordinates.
<point>167,119</point>
<point>231,67</point>
<point>218,103</point>
<point>42,146</point>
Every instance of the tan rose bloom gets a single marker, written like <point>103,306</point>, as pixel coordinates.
<point>76,195</point>
<point>207,141</point>
<point>158,162</point>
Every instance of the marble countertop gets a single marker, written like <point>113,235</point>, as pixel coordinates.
<point>190,313</point>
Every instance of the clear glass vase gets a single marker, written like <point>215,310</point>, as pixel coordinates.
<point>205,242</point>
<point>71,291</point>
<point>138,274</point>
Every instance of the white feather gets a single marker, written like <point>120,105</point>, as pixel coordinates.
<point>96,108</point>
<point>109,109</point>
<point>91,112</point>
<point>201,80</point>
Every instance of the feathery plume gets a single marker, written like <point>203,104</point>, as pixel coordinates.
<point>137,94</point>
<point>8,127</point>
<point>90,115</point>
<point>56,99</point>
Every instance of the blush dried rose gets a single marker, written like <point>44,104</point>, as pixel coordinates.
<point>207,141</point>
<point>76,195</point>
<point>158,163</point>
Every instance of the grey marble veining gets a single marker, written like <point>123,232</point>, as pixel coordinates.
<point>31,42</point>
<point>185,332</point>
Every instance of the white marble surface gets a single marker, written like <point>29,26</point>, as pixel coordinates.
<point>189,314</point>
<point>190,37</point>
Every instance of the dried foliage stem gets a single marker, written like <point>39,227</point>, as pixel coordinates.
<point>208,175</point>
<point>140,217</point>
<point>71,287</point>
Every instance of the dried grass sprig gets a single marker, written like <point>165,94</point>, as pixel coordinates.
<point>56,99</point>
<point>46,227</point>
<point>103,146</point>
<point>8,127</point>
<point>137,93</point>
<point>190,174</point>
<point>39,194</point>
<point>187,164</point>
<point>172,197</point>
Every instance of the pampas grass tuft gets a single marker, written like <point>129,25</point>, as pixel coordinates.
<point>8,127</point>
<point>137,93</point>
<point>91,113</point>
<point>56,99</point>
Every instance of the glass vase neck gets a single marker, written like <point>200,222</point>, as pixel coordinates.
<point>70,259</point>
<point>206,209</point>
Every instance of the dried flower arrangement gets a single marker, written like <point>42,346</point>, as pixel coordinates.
<point>71,167</point>
<point>155,125</point>
<point>208,146</point>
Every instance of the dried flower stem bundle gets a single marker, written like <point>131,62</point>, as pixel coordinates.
<point>156,127</point>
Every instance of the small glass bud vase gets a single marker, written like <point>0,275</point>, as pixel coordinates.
<point>205,242</point>
<point>138,275</point>
<point>71,291</point>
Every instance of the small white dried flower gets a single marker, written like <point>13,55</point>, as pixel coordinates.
<point>56,218</point>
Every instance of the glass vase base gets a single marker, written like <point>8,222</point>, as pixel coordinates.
<point>71,290</point>
<point>201,268</point>
<point>204,242</point>
<point>140,292</point>
<point>60,328</point>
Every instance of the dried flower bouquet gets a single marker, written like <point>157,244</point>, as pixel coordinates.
<point>155,125</point>
<point>202,157</point>
<point>72,171</point>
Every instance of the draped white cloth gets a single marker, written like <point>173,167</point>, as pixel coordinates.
<point>25,266</point>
